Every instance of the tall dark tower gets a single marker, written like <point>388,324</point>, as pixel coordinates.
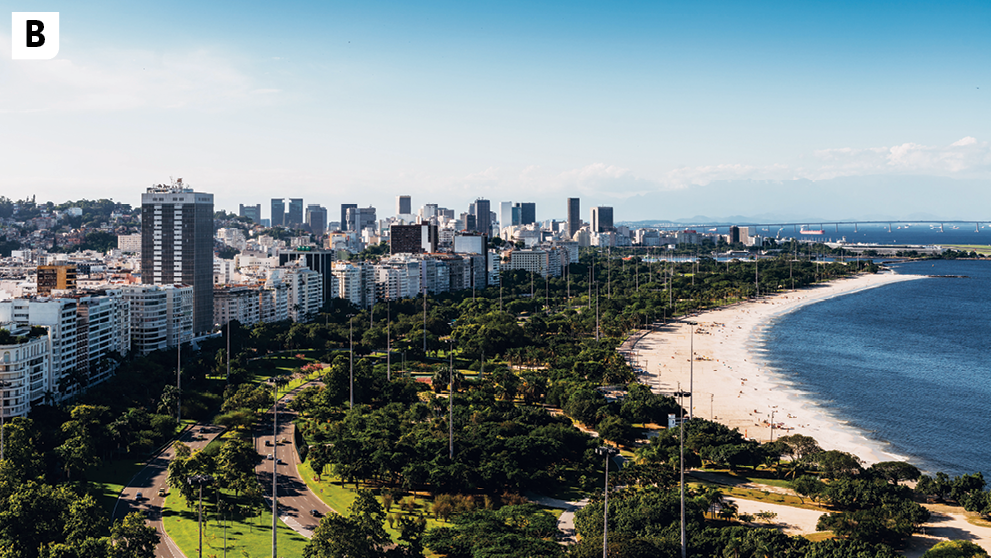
<point>177,245</point>
<point>294,215</point>
<point>483,222</point>
<point>573,217</point>
<point>345,225</point>
<point>278,217</point>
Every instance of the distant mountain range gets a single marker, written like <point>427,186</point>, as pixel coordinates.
<point>866,198</point>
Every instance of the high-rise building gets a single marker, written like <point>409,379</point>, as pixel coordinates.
<point>483,222</point>
<point>403,206</point>
<point>317,219</point>
<point>278,216</point>
<point>506,215</point>
<point>253,212</point>
<point>294,216</point>
<point>601,219</point>
<point>528,211</point>
<point>345,224</point>
<point>413,239</point>
<point>177,245</point>
<point>359,218</point>
<point>574,223</point>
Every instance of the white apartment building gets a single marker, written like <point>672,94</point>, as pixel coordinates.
<point>149,317</point>
<point>241,303</point>
<point>23,369</point>
<point>273,302</point>
<point>225,271</point>
<point>304,290</point>
<point>104,327</point>
<point>129,243</point>
<point>179,313</point>
<point>534,261</point>
<point>59,315</point>
<point>347,282</point>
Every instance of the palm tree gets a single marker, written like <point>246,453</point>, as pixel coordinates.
<point>727,510</point>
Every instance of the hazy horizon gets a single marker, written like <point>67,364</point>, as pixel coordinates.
<point>654,109</point>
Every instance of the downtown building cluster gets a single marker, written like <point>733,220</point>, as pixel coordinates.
<point>67,320</point>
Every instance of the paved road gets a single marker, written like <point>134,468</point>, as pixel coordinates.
<point>151,478</point>
<point>295,498</point>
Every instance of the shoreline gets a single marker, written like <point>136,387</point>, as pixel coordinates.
<point>734,385</point>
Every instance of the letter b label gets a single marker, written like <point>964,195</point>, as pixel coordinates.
<point>34,35</point>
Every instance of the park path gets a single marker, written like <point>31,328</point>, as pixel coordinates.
<point>151,478</point>
<point>566,522</point>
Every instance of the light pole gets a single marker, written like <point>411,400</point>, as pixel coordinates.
<point>682,470</point>
<point>200,480</point>
<point>451,394</point>
<point>389,345</point>
<point>608,452</point>
<point>179,381</point>
<point>275,459</point>
<point>351,362</point>
<point>3,384</point>
<point>771,435</point>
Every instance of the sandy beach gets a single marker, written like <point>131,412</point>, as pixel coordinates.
<point>732,385</point>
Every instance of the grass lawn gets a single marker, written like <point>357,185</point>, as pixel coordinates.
<point>980,248</point>
<point>335,494</point>
<point>108,480</point>
<point>247,537</point>
<point>772,497</point>
<point>821,536</point>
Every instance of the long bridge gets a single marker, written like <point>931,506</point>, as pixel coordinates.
<point>819,224</point>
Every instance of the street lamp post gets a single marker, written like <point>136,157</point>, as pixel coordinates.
<point>451,396</point>
<point>389,346</point>
<point>608,452</point>
<point>200,480</point>
<point>351,362</point>
<point>275,460</point>
<point>3,384</point>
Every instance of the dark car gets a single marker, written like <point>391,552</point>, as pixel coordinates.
<point>315,513</point>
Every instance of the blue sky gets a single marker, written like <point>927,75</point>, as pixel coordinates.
<point>537,101</point>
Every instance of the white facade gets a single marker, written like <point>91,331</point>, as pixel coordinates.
<point>304,290</point>
<point>129,243</point>
<point>240,303</point>
<point>179,313</point>
<point>347,282</point>
<point>104,328</point>
<point>149,317</point>
<point>533,261</point>
<point>23,370</point>
<point>59,315</point>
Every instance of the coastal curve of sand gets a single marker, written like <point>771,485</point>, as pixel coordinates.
<point>732,385</point>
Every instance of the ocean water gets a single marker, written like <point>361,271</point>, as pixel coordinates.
<point>900,233</point>
<point>907,364</point>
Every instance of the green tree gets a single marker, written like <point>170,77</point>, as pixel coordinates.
<point>133,538</point>
<point>360,535</point>
<point>956,549</point>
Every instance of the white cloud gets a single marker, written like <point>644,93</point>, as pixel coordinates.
<point>114,80</point>
<point>965,158</point>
